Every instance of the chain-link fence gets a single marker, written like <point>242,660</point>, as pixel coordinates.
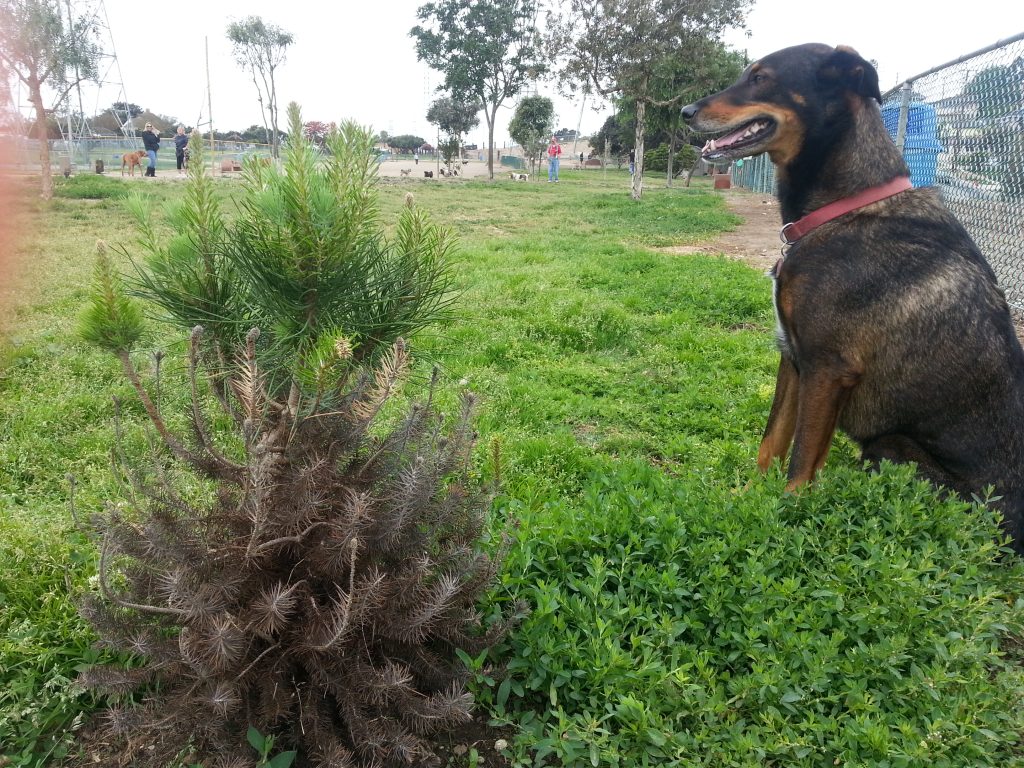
<point>961,129</point>
<point>755,173</point>
<point>81,156</point>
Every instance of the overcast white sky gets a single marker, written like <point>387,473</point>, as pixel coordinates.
<point>355,59</point>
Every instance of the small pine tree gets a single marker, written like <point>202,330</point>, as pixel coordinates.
<point>322,594</point>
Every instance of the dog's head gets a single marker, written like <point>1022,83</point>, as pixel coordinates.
<point>778,100</point>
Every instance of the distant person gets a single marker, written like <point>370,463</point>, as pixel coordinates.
<point>180,147</point>
<point>632,161</point>
<point>151,143</point>
<point>416,157</point>
<point>554,152</point>
<point>581,158</point>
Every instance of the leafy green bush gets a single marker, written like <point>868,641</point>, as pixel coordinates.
<point>681,622</point>
<point>657,159</point>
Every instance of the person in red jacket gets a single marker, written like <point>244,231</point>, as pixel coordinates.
<point>554,152</point>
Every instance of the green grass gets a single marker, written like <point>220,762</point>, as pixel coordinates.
<point>683,610</point>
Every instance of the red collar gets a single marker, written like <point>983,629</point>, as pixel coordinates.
<point>795,230</point>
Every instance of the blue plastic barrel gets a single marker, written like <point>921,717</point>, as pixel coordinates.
<point>921,145</point>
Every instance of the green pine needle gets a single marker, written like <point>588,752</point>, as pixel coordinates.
<point>111,321</point>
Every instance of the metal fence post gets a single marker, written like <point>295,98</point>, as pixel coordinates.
<point>901,129</point>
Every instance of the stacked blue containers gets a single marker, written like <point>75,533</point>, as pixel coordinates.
<point>921,145</point>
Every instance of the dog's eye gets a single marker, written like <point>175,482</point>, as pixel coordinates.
<point>757,78</point>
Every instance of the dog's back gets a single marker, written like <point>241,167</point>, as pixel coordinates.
<point>911,298</point>
<point>131,159</point>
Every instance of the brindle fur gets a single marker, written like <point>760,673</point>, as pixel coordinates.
<point>892,327</point>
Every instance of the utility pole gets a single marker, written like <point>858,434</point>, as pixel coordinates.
<point>209,109</point>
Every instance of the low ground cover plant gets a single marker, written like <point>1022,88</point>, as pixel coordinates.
<point>683,610</point>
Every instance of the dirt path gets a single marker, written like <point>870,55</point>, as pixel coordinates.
<point>755,241</point>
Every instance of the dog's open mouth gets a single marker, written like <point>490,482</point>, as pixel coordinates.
<point>740,142</point>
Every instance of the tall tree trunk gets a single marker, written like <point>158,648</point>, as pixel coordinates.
<point>263,108</point>
<point>275,147</point>
<point>671,156</point>
<point>36,97</point>
<point>693,169</point>
<point>637,188</point>
<point>490,117</point>
<point>674,132</point>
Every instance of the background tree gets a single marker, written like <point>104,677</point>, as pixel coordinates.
<point>316,132</point>
<point>118,117</point>
<point>454,119</point>
<point>620,47</point>
<point>405,142</point>
<point>256,134</point>
<point>449,150</point>
<point>681,81</point>
<point>44,48</point>
<point>486,50</point>
<point>260,48</point>
<point>618,131</point>
<point>531,125</point>
<point>998,90</point>
<point>126,108</point>
<point>999,94</point>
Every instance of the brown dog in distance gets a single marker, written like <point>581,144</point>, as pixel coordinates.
<point>889,320</point>
<point>131,159</point>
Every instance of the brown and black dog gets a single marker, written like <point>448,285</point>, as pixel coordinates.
<point>131,159</point>
<point>889,320</point>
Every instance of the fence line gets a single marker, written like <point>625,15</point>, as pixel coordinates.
<point>22,152</point>
<point>960,126</point>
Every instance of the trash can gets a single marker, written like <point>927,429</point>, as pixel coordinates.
<point>99,166</point>
<point>921,154</point>
<point>921,145</point>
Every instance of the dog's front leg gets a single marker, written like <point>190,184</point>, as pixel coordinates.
<point>778,433</point>
<point>822,394</point>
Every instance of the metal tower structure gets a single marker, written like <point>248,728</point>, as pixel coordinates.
<point>108,89</point>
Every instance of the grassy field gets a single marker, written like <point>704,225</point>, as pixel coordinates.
<point>684,611</point>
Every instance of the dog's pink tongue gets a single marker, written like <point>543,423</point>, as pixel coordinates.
<point>730,138</point>
<point>723,142</point>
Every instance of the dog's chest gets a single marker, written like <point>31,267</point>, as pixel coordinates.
<point>782,336</point>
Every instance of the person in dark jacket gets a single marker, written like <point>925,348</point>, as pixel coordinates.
<point>151,143</point>
<point>180,145</point>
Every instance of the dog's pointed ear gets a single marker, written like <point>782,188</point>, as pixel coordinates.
<point>847,68</point>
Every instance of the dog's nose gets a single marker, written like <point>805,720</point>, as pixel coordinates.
<point>689,112</point>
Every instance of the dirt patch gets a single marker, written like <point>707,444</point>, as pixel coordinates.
<point>755,241</point>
